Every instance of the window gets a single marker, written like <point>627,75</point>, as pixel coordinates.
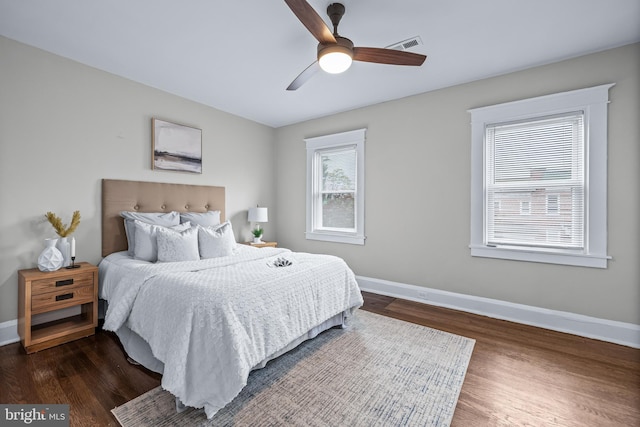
<point>335,187</point>
<point>553,209</point>
<point>538,160</point>
<point>543,162</point>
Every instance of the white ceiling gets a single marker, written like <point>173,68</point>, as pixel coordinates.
<point>239,56</point>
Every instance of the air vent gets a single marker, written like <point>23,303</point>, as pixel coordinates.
<point>406,44</point>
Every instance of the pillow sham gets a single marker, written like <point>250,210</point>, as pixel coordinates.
<point>178,246</point>
<point>165,219</point>
<point>205,219</point>
<point>215,242</point>
<point>146,243</point>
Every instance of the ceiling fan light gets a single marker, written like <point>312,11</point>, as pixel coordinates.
<point>335,59</point>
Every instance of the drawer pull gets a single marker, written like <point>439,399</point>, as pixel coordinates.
<point>64,296</point>
<point>64,282</point>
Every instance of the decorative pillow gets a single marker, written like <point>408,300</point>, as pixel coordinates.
<point>146,243</point>
<point>206,219</point>
<point>165,219</point>
<point>216,241</point>
<point>178,246</point>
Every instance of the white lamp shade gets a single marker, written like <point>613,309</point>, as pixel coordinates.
<point>258,215</point>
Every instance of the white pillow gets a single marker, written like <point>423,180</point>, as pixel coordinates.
<point>206,219</point>
<point>216,241</point>
<point>165,219</point>
<point>178,246</point>
<point>146,242</point>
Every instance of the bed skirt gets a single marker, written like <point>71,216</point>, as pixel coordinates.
<point>139,351</point>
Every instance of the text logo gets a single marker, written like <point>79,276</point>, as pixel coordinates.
<point>36,415</point>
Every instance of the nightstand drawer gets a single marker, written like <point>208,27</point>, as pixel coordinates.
<point>61,284</point>
<point>62,298</point>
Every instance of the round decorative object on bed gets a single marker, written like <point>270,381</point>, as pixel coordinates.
<point>50,258</point>
<point>281,262</point>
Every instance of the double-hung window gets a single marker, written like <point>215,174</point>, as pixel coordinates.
<point>539,179</point>
<point>335,187</point>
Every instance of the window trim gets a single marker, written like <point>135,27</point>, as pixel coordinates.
<point>594,102</point>
<point>334,141</point>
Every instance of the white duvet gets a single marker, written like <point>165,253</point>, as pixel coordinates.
<point>211,321</point>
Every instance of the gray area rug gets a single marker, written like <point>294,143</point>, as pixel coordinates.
<point>378,372</point>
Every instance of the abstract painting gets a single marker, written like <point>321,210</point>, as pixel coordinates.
<point>176,147</point>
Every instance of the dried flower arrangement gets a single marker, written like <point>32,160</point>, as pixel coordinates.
<point>61,229</point>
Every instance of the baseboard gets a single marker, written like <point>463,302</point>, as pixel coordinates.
<point>622,333</point>
<point>627,334</point>
<point>9,332</point>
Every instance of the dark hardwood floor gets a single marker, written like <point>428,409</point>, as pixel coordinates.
<point>518,375</point>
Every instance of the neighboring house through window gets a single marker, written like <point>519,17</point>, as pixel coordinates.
<point>335,187</point>
<point>553,207</point>
<point>543,162</point>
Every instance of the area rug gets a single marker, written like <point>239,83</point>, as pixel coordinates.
<point>378,372</point>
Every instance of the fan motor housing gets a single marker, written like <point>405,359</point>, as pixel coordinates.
<point>342,44</point>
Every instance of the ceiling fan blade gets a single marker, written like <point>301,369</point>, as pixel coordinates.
<point>304,76</point>
<point>310,19</point>
<point>387,56</point>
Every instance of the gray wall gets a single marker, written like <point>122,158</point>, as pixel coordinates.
<point>418,183</point>
<point>65,126</point>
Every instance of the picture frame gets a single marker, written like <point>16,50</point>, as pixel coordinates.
<point>175,147</point>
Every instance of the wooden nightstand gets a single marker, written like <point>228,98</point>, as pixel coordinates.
<point>43,292</point>
<point>262,245</point>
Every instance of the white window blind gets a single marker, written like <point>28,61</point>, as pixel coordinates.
<point>538,163</point>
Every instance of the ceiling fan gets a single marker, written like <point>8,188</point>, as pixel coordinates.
<point>335,52</point>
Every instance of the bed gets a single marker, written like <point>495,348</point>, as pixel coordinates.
<point>204,324</point>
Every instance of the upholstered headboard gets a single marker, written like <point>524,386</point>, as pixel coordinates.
<point>139,196</point>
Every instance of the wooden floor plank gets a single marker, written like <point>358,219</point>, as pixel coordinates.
<point>518,375</point>
<point>523,375</point>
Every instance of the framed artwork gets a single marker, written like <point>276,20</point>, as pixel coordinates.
<point>175,147</point>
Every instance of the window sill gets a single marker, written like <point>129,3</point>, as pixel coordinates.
<point>336,237</point>
<point>580,260</point>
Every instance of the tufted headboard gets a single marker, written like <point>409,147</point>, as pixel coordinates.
<point>139,196</point>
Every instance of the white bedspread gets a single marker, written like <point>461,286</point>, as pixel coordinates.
<point>211,321</point>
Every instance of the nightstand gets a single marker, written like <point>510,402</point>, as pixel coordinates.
<point>43,292</point>
<point>262,245</point>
